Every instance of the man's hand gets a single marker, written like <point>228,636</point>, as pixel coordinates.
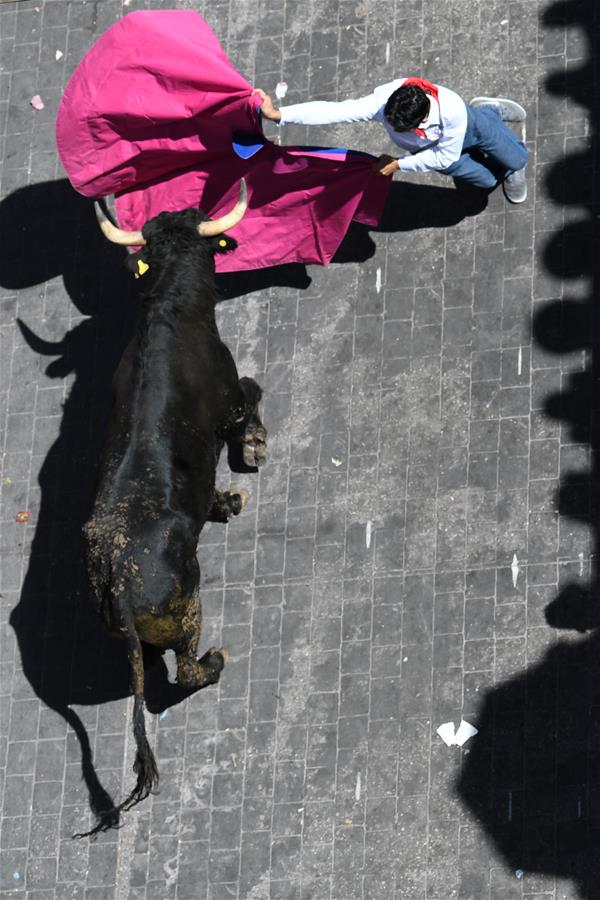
<point>386,165</point>
<point>267,109</point>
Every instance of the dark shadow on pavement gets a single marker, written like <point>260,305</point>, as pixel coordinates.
<point>410,207</point>
<point>67,656</point>
<point>532,774</point>
<point>572,325</point>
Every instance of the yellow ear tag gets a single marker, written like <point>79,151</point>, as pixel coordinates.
<point>222,243</point>
<point>142,267</point>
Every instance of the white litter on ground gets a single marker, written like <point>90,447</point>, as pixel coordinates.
<point>446,732</point>
<point>357,788</point>
<point>465,731</point>
<point>58,55</point>
<point>515,569</point>
<point>368,534</point>
<point>378,280</point>
<point>456,738</point>
<point>281,90</point>
<point>37,102</point>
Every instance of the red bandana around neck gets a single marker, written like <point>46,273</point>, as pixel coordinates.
<point>430,89</point>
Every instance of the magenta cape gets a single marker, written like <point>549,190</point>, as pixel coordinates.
<point>150,115</point>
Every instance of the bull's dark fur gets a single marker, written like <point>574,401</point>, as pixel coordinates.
<point>176,399</point>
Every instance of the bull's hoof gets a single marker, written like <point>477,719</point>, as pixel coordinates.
<point>214,660</point>
<point>254,445</point>
<point>244,497</point>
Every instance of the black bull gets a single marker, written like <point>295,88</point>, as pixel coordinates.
<point>177,399</point>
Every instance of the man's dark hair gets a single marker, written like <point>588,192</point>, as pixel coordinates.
<point>406,107</point>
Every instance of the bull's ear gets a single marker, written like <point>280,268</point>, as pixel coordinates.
<point>222,244</point>
<point>136,263</point>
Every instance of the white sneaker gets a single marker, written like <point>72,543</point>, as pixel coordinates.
<point>508,109</point>
<point>515,186</point>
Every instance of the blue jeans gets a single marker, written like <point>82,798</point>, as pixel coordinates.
<point>505,153</point>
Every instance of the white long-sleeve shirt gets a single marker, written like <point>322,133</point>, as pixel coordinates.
<point>444,127</point>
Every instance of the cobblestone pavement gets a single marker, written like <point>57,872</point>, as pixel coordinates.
<point>418,548</point>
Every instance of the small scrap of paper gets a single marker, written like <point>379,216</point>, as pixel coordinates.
<point>58,55</point>
<point>456,738</point>
<point>37,102</point>
<point>281,90</point>
<point>514,568</point>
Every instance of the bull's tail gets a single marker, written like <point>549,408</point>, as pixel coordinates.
<point>145,763</point>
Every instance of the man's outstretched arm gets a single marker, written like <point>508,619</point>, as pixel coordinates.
<point>301,112</point>
<point>321,112</point>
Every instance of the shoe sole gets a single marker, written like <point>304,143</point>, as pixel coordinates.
<point>519,113</point>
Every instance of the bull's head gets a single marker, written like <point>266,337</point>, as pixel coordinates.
<point>207,228</point>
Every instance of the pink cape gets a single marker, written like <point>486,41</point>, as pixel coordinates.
<point>150,114</point>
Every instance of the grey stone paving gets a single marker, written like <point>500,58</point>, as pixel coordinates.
<point>432,420</point>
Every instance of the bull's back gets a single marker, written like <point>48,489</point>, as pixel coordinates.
<point>170,394</point>
<point>173,377</point>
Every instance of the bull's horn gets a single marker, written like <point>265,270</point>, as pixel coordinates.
<point>116,235</point>
<point>224,223</point>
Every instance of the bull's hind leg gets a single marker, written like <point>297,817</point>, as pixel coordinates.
<point>193,673</point>
<point>227,504</point>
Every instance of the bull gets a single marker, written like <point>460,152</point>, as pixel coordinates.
<point>177,399</point>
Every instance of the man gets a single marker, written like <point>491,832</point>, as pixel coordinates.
<point>436,126</point>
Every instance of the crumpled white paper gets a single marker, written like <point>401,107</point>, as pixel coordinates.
<point>459,737</point>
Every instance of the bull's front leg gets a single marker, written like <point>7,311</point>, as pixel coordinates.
<point>253,434</point>
<point>227,504</point>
